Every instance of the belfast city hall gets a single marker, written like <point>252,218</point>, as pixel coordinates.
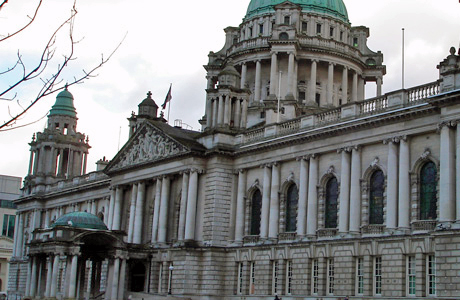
<point>297,186</point>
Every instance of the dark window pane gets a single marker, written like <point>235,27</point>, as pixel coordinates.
<point>292,202</point>
<point>376,198</point>
<point>255,213</point>
<point>332,191</point>
<point>428,199</point>
<point>12,219</point>
<point>5,225</point>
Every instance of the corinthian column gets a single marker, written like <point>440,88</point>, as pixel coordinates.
<point>244,69</point>
<point>303,193</point>
<point>312,89</point>
<point>239,223</point>
<point>132,213</point>
<point>137,236</point>
<point>265,203</point>
<point>345,85</point>
<point>156,210</point>
<point>183,206</point>
<point>291,75</point>
<point>274,74</point>
<point>162,230</point>
<point>447,175</point>
<point>220,113</point>
<point>344,192</point>
<point>355,191</point>
<point>330,83</point>
<point>117,208</point>
<point>190,220</point>
<point>312,215</point>
<point>404,185</point>
<point>257,88</point>
<point>392,185</point>
<point>274,202</point>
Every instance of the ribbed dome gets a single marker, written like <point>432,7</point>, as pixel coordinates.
<point>334,8</point>
<point>64,105</point>
<point>82,220</point>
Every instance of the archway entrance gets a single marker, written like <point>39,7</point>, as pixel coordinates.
<point>137,276</point>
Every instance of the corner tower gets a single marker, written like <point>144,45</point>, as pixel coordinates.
<point>293,58</point>
<point>60,151</point>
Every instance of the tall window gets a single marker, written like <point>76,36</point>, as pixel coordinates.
<point>255,212</point>
<point>289,277</point>
<point>275,277</point>
<point>410,275</point>
<point>261,28</point>
<point>252,279</point>
<point>8,225</point>
<point>376,198</point>
<point>314,276</point>
<point>431,275</point>
<point>304,26</point>
<point>428,199</point>
<point>318,28</point>
<point>292,201</point>
<point>287,20</point>
<point>240,278</point>
<point>330,276</point>
<point>378,275</point>
<point>359,276</point>
<point>332,191</point>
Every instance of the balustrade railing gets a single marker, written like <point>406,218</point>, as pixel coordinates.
<point>423,91</point>
<point>254,135</point>
<point>77,181</point>
<point>428,225</point>
<point>251,239</point>
<point>373,229</point>
<point>289,127</point>
<point>373,105</point>
<point>248,44</point>
<point>329,116</point>
<point>287,236</point>
<point>330,44</point>
<point>327,232</point>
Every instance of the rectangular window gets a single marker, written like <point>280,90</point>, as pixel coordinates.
<point>431,275</point>
<point>304,26</point>
<point>275,277</point>
<point>252,279</point>
<point>302,95</point>
<point>8,225</point>
<point>240,279</point>
<point>377,275</point>
<point>261,29</point>
<point>314,276</point>
<point>341,36</point>
<point>170,273</point>
<point>250,32</point>
<point>410,275</point>
<point>160,276</point>
<point>318,28</point>
<point>289,277</point>
<point>318,98</point>
<point>330,276</point>
<point>355,42</point>
<point>359,276</point>
<point>331,31</point>
<point>287,20</point>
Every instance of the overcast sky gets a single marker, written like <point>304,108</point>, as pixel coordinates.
<point>168,42</point>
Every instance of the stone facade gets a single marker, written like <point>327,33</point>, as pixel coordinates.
<point>296,186</point>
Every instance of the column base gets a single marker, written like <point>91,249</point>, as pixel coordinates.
<point>272,97</point>
<point>289,96</point>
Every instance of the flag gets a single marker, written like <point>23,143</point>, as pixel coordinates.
<point>168,98</point>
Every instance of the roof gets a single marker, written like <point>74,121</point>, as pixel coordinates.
<point>64,105</point>
<point>334,8</point>
<point>81,220</point>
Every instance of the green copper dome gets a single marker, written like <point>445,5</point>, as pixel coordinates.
<point>82,220</point>
<point>64,105</point>
<point>334,8</point>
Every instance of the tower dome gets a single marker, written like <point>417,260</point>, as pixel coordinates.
<point>81,220</point>
<point>64,105</point>
<point>334,8</point>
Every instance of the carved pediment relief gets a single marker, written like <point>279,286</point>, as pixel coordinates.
<point>148,145</point>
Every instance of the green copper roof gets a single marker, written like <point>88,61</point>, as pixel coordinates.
<point>334,8</point>
<point>80,220</point>
<point>64,105</point>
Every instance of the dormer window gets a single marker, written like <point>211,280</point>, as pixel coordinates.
<point>287,20</point>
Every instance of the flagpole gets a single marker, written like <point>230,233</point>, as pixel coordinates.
<point>169,104</point>
<point>403,58</point>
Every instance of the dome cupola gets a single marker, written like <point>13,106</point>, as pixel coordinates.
<point>82,220</point>
<point>64,105</point>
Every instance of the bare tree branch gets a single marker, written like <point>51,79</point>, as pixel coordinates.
<point>31,19</point>
<point>3,3</point>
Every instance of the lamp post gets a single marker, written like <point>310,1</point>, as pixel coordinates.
<point>171,268</point>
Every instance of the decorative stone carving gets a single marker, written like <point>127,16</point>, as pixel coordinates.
<point>375,162</point>
<point>150,145</point>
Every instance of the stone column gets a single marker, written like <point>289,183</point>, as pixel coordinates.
<point>220,112</point>
<point>139,216</point>
<point>36,159</point>
<point>354,87</point>
<point>244,114</point>
<point>447,211</point>
<point>115,278</point>
<point>163,226</point>
<point>312,211</point>
<point>404,185</point>
<point>227,106</point>
<point>54,277</point>
<point>192,199</point>
<point>94,207</point>
<point>214,112</point>
<point>111,207</point>
<point>274,74</point>
<point>345,85</point>
<point>355,191</point>
<point>239,222</point>
<point>237,119</point>
<point>15,236</point>
<point>291,75</point>
<point>265,214</point>
<point>49,274</point>
<point>344,192</point>
<point>47,218</point>
<point>33,279</point>
<point>274,202</point>
<point>257,85</point>
<point>244,70</point>
<point>303,196</point>
<point>209,115</point>
<point>132,212</point>
<point>457,179</point>
<point>312,89</point>
<point>29,276</point>
<point>183,206</point>
<point>156,210</point>
<point>117,208</point>
<point>361,88</point>
<point>20,236</point>
<point>73,277</point>
<point>31,159</point>
<point>330,83</point>
<point>379,86</point>
<point>121,281</point>
<point>392,184</point>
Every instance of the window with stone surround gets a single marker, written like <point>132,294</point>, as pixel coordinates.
<point>292,201</point>
<point>376,203</point>
<point>330,276</point>
<point>431,275</point>
<point>428,192</point>
<point>275,273</point>
<point>318,28</point>
<point>304,26</point>
<point>256,209</point>
<point>331,209</point>
<point>287,20</point>
<point>289,277</point>
<point>252,278</point>
<point>377,276</point>
<point>239,287</point>
<point>314,276</point>
<point>359,288</point>
<point>8,225</point>
<point>410,276</point>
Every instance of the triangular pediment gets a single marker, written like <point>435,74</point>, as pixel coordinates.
<point>149,144</point>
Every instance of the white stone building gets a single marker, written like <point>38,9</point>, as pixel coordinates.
<point>296,186</point>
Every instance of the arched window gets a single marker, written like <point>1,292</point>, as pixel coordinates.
<point>284,36</point>
<point>292,201</point>
<point>428,199</point>
<point>332,193</point>
<point>256,209</point>
<point>376,198</point>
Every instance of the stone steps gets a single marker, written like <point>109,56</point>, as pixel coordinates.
<point>143,296</point>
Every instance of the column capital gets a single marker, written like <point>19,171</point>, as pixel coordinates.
<point>450,124</point>
<point>346,67</point>
<point>266,165</point>
<point>345,149</point>
<point>302,158</point>
<point>332,63</point>
<point>197,170</point>
<point>395,139</point>
<point>315,60</point>
<point>238,171</point>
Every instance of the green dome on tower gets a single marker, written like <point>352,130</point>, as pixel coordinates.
<point>334,8</point>
<point>64,105</point>
<point>81,220</point>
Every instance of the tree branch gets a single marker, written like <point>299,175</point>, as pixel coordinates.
<point>25,26</point>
